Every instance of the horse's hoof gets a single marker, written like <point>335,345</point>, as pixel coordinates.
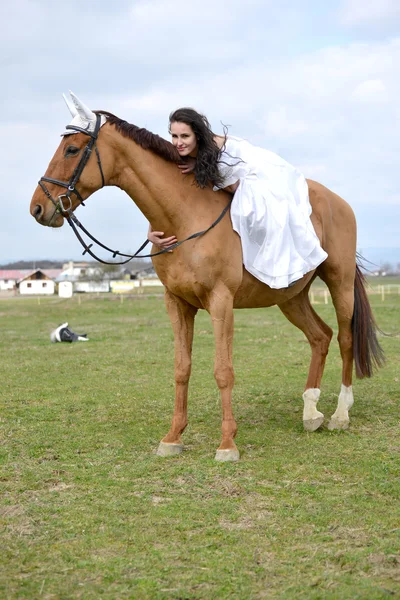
<point>336,424</point>
<point>313,424</point>
<point>165,449</point>
<point>229,455</point>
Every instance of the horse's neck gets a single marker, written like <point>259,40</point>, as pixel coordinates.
<point>151,181</point>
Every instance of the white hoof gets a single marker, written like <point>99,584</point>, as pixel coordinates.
<point>313,424</point>
<point>340,418</point>
<point>165,449</point>
<point>337,424</point>
<point>227,455</point>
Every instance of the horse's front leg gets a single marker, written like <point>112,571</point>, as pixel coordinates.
<point>221,311</point>
<point>182,317</point>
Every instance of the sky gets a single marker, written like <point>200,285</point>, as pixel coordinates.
<point>316,82</point>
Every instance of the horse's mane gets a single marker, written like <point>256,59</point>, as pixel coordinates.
<point>143,137</point>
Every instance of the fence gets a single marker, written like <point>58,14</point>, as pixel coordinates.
<point>319,295</point>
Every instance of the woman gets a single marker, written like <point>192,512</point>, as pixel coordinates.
<point>270,208</point>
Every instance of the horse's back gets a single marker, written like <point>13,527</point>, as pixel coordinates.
<point>204,264</point>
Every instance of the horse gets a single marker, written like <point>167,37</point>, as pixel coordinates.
<point>206,272</point>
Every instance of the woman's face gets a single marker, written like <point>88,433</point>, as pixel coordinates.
<point>183,138</point>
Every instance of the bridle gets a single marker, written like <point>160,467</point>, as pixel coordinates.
<point>66,211</point>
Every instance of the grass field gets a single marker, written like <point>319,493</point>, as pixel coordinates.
<point>89,511</point>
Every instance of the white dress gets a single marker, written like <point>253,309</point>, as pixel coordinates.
<point>271,213</point>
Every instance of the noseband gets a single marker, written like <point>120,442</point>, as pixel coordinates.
<point>66,211</point>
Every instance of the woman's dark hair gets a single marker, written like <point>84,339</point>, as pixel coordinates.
<point>208,154</point>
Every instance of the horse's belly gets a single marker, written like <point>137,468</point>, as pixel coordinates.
<point>193,276</point>
<point>252,293</point>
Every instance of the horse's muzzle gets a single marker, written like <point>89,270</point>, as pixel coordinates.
<point>48,218</point>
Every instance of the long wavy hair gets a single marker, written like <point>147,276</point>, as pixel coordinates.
<point>208,154</point>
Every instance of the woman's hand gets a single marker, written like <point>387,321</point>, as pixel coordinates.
<point>188,166</point>
<point>156,238</point>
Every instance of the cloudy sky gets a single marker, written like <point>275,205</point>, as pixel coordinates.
<point>316,82</point>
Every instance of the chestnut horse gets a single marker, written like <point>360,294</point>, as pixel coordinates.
<point>207,272</point>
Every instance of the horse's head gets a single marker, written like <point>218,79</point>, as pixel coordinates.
<point>75,171</point>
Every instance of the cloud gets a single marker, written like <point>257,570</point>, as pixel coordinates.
<point>373,90</point>
<point>394,199</point>
<point>328,106</point>
<point>278,122</point>
<point>355,12</point>
<point>315,171</point>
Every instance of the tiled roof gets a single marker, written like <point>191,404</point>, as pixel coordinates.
<point>52,273</point>
<point>13,274</point>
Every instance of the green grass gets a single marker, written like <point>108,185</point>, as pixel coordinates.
<point>88,510</point>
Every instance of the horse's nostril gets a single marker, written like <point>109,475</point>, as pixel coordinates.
<point>37,211</point>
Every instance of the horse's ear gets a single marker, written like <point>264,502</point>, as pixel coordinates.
<point>70,106</point>
<point>83,111</point>
<point>83,117</point>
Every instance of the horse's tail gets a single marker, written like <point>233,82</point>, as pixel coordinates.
<point>367,351</point>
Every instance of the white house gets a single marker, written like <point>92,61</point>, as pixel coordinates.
<point>37,282</point>
<point>84,276</point>
<point>73,271</point>
<point>9,278</point>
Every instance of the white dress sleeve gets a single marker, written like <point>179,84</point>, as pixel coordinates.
<point>231,165</point>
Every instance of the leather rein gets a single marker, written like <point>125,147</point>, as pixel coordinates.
<point>63,204</point>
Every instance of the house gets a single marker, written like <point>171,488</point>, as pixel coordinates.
<point>84,276</point>
<point>9,278</point>
<point>72,271</point>
<point>37,282</point>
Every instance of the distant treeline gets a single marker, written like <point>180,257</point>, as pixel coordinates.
<point>20,265</point>
<point>33,264</point>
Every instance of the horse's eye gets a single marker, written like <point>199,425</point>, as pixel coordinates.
<point>72,151</point>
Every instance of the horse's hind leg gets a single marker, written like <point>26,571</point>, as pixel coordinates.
<point>299,311</point>
<point>182,317</point>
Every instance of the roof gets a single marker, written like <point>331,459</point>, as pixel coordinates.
<point>13,273</point>
<point>52,273</point>
<point>49,273</point>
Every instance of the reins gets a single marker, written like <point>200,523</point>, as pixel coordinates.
<point>67,212</point>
